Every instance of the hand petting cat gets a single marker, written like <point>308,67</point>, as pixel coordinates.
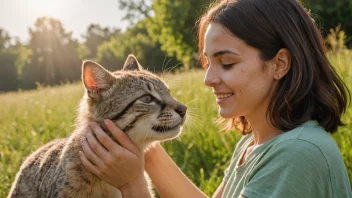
<point>119,165</point>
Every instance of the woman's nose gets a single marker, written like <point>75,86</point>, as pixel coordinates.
<point>211,78</point>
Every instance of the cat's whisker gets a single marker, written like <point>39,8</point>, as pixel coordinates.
<point>168,71</point>
<point>167,64</point>
<point>195,115</point>
<point>162,66</point>
<point>191,101</point>
<point>171,68</point>
<point>191,125</point>
<point>194,119</point>
<point>174,84</point>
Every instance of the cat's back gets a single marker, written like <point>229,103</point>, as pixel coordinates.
<point>38,171</point>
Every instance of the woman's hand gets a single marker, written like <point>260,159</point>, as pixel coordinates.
<point>119,165</point>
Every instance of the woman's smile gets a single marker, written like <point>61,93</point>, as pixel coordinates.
<point>222,97</point>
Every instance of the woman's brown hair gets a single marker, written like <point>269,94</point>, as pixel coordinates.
<point>311,89</point>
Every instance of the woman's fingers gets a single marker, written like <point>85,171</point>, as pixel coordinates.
<point>89,165</point>
<point>95,146</point>
<point>113,163</point>
<point>123,139</point>
<point>103,138</point>
<point>92,158</point>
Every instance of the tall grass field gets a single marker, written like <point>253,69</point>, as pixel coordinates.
<point>30,119</point>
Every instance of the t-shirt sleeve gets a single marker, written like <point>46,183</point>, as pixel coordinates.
<point>294,168</point>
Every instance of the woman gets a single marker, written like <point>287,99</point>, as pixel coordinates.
<point>266,63</point>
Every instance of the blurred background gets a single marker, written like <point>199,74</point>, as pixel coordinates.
<point>43,43</point>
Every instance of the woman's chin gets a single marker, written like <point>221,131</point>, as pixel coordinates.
<point>225,114</point>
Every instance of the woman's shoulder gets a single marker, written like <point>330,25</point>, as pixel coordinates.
<point>310,144</point>
<point>311,148</point>
<point>309,136</point>
<point>305,159</point>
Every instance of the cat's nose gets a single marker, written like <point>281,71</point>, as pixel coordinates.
<point>181,109</point>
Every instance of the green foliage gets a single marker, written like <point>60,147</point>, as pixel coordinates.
<point>8,75</point>
<point>331,13</point>
<point>23,57</point>
<point>339,54</point>
<point>137,10</point>
<point>136,40</point>
<point>30,119</point>
<point>337,40</point>
<point>94,37</point>
<point>4,39</point>
<point>173,25</point>
<point>83,51</point>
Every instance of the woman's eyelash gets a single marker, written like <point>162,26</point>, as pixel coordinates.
<point>227,66</point>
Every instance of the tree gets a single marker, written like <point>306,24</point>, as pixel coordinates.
<point>171,23</point>
<point>137,10</point>
<point>329,14</point>
<point>5,39</point>
<point>112,53</point>
<point>55,57</point>
<point>95,36</point>
<point>8,75</point>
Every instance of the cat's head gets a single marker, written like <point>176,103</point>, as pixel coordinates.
<point>138,101</point>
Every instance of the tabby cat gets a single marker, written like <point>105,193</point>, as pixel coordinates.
<point>138,101</point>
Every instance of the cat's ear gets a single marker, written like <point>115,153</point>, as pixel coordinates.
<point>95,78</point>
<point>131,64</point>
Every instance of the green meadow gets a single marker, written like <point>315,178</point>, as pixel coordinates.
<point>29,119</point>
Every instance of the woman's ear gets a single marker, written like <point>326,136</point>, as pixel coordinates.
<point>282,63</point>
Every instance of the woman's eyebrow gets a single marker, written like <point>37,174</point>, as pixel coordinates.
<point>219,53</point>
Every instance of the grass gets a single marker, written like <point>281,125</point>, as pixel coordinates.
<point>30,119</point>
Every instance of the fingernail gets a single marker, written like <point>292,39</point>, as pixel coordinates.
<point>106,121</point>
<point>80,153</point>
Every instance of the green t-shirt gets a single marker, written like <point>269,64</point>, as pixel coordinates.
<point>303,162</point>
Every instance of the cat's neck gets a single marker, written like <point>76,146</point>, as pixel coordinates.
<point>85,116</point>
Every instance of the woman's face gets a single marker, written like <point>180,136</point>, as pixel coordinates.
<point>241,81</point>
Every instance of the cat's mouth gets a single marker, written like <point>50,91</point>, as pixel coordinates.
<point>163,129</point>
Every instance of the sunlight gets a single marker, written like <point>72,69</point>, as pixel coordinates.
<point>51,8</point>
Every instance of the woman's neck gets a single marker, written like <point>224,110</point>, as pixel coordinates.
<point>262,130</point>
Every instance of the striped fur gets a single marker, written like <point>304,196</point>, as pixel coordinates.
<point>136,100</point>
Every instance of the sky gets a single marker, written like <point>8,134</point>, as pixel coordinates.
<point>16,16</point>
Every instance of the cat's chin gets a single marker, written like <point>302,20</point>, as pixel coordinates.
<point>166,129</point>
<point>169,134</point>
<point>160,137</point>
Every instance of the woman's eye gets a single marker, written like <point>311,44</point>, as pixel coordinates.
<point>227,66</point>
<point>146,99</point>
